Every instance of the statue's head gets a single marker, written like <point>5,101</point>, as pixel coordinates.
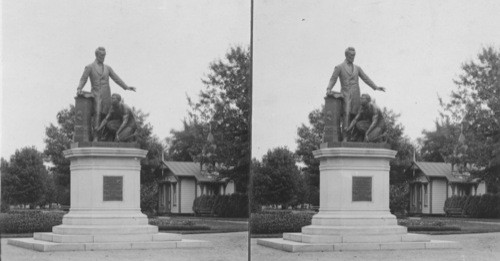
<point>365,99</point>
<point>350,53</point>
<point>116,99</point>
<point>100,54</point>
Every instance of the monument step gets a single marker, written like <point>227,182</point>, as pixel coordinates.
<point>57,238</point>
<point>354,221</point>
<point>45,246</point>
<point>292,246</point>
<point>319,239</point>
<point>96,220</point>
<point>353,230</point>
<point>104,230</point>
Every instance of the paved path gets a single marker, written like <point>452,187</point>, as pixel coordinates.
<point>233,246</point>
<point>474,247</point>
<point>226,246</point>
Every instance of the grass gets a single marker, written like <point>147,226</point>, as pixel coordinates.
<point>466,225</point>
<point>181,225</point>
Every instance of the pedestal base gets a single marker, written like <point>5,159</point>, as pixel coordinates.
<point>105,209</point>
<point>354,206</point>
<point>297,246</point>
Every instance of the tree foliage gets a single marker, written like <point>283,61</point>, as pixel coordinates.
<point>475,103</point>
<point>25,178</point>
<point>277,180</point>
<point>221,110</point>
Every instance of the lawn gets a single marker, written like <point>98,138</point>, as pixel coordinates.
<point>466,225</point>
<point>173,224</point>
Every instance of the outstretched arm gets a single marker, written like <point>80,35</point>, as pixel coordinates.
<point>119,81</point>
<point>368,81</point>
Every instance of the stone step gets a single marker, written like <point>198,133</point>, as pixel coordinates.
<point>104,230</point>
<point>353,230</point>
<point>44,246</point>
<point>292,246</point>
<point>314,239</point>
<point>57,238</point>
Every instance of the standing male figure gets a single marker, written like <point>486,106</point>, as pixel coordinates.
<point>99,74</point>
<point>349,83</point>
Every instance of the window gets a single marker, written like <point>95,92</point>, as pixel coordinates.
<point>174,194</point>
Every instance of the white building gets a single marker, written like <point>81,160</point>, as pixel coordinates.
<point>183,182</point>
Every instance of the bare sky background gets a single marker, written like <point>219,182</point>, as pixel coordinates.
<point>161,47</point>
<point>413,48</point>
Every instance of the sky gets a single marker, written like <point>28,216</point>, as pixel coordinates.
<point>163,48</point>
<point>412,48</point>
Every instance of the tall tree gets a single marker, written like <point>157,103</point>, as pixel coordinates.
<point>277,180</point>
<point>223,109</point>
<point>309,139</point>
<point>476,103</point>
<point>25,179</point>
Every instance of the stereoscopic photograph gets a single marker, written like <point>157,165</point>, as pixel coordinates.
<point>250,130</point>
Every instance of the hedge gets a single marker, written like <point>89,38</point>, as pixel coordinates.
<point>29,221</point>
<point>279,222</point>
<point>233,205</point>
<point>483,206</point>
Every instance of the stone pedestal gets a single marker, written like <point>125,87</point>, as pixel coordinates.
<point>105,206</point>
<point>354,207</point>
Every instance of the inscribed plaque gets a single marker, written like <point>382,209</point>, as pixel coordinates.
<point>361,188</point>
<point>112,188</point>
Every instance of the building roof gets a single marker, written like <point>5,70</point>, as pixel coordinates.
<point>440,169</point>
<point>189,169</point>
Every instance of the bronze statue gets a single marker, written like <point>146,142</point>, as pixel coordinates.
<point>349,82</point>
<point>119,124</point>
<point>99,74</point>
<point>369,123</point>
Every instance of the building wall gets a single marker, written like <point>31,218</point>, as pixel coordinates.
<point>187,195</point>
<point>438,195</point>
<point>481,188</point>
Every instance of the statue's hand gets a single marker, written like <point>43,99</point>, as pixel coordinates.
<point>117,138</point>
<point>79,92</point>
<point>366,138</point>
<point>130,88</point>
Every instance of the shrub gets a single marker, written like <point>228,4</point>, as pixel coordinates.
<point>279,222</point>
<point>29,221</point>
<point>399,198</point>
<point>233,205</point>
<point>483,206</point>
<point>149,198</point>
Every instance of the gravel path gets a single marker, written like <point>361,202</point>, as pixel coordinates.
<point>226,246</point>
<point>474,247</point>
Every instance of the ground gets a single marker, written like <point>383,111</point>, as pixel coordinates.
<point>474,247</point>
<point>226,246</point>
